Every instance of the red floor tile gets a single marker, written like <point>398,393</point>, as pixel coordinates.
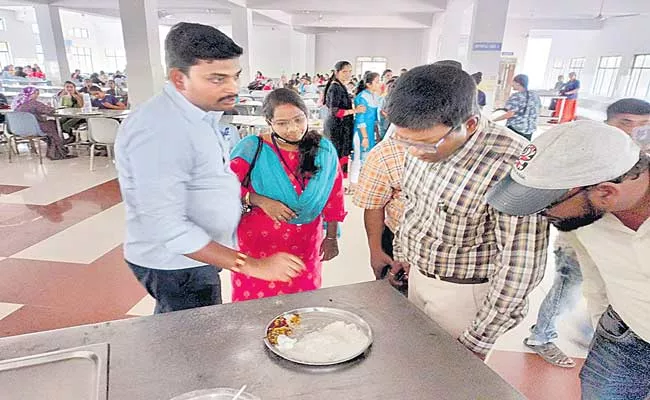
<point>107,284</point>
<point>29,319</point>
<point>22,226</point>
<point>535,378</point>
<point>9,189</point>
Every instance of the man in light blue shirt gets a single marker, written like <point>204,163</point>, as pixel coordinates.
<point>182,199</point>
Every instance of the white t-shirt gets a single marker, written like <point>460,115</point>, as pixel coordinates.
<point>615,262</point>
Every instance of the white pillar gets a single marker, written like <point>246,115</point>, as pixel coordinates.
<point>55,63</point>
<point>310,54</point>
<point>448,36</point>
<point>142,46</point>
<point>242,34</point>
<point>486,41</point>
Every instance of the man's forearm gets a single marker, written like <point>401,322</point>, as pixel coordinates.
<point>374,222</point>
<point>215,254</point>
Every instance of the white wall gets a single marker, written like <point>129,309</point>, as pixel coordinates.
<point>104,33</point>
<point>400,46</point>
<point>619,37</point>
<point>19,36</point>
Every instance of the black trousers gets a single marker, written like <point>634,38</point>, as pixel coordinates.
<point>180,289</point>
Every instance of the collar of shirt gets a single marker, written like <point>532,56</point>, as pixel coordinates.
<point>611,222</point>
<point>190,111</point>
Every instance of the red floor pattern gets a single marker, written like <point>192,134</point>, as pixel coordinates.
<point>535,378</point>
<point>9,189</point>
<point>23,225</point>
<point>60,295</point>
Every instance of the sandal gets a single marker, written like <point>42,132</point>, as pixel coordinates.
<point>551,354</point>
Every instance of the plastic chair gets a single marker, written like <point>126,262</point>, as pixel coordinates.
<point>23,127</point>
<point>102,132</point>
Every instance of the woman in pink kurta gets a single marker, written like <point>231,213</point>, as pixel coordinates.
<point>290,159</point>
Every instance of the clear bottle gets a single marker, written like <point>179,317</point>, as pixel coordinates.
<point>88,106</point>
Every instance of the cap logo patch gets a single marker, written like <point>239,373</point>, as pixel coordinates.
<point>526,157</point>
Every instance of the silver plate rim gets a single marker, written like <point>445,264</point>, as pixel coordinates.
<point>327,310</point>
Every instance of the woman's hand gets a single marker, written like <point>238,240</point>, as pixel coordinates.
<point>276,210</point>
<point>329,249</point>
<point>365,143</point>
<point>359,109</point>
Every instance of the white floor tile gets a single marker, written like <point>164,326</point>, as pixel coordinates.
<point>84,242</point>
<point>52,181</point>
<point>144,307</point>
<point>8,308</point>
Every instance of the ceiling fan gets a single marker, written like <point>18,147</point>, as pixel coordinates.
<point>601,17</point>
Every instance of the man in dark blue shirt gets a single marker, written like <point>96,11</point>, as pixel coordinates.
<point>105,101</point>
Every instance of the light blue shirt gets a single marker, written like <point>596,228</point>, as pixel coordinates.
<point>179,192</point>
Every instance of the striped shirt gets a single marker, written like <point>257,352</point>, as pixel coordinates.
<point>449,230</point>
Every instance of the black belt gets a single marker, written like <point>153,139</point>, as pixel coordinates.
<point>458,281</point>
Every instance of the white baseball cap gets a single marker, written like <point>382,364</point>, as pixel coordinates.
<point>568,156</point>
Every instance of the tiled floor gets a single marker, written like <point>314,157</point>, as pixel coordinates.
<point>61,229</point>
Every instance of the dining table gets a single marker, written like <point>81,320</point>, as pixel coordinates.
<point>162,356</point>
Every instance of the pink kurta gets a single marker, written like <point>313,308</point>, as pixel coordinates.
<point>259,237</point>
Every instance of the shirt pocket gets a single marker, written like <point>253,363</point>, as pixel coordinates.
<point>459,227</point>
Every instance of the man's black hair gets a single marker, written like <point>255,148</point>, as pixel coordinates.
<point>628,106</point>
<point>430,95</point>
<point>188,43</point>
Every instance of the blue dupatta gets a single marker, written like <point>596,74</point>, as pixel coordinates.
<point>269,178</point>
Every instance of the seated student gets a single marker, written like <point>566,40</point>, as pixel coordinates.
<point>105,101</point>
<point>114,89</point>
<point>87,85</point>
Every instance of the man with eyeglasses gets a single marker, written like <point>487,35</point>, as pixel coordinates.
<point>471,266</point>
<point>593,181</point>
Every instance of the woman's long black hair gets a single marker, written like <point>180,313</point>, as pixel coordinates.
<point>367,79</point>
<point>310,143</point>
<point>338,67</point>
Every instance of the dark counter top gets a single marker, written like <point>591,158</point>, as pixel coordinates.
<point>159,357</point>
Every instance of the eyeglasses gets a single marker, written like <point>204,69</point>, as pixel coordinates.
<point>426,147</point>
<point>545,210</point>
<point>285,125</point>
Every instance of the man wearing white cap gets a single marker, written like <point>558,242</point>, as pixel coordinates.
<point>592,179</point>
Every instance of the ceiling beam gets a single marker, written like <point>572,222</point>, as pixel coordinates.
<point>583,24</point>
<point>357,21</point>
<point>351,7</point>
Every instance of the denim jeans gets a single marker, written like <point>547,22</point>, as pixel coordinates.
<point>180,289</point>
<point>564,295</point>
<point>618,365</point>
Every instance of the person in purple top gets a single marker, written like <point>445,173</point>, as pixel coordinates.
<point>105,101</point>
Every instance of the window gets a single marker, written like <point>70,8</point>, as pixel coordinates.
<point>3,24</point>
<point>577,65</point>
<point>39,47</point>
<point>374,64</point>
<point>79,33</point>
<point>81,58</point>
<point>556,70</point>
<point>116,59</point>
<point>606,75</point>
<point>639,84</point>
<point>5,54</point>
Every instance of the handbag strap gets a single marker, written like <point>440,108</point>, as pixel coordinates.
<point>246,182</point>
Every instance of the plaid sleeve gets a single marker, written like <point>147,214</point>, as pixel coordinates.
<point>374,190</point>
<point>522,245</point>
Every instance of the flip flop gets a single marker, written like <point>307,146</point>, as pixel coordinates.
<point>551,354</point>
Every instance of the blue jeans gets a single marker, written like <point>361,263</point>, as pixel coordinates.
<point>564,295</point>
<point>180,289</point>
<point>618,365</point>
